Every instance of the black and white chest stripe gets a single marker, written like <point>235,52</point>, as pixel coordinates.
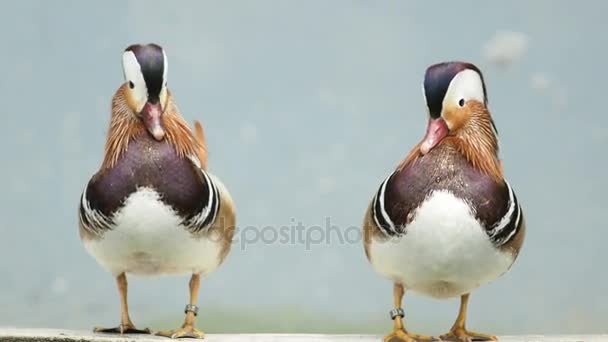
<point>207,216</point>
<point>499,233</point>
<point>504,229</point>
<point>91,219</point>
<point>380,216</point>
<point>97,223</point>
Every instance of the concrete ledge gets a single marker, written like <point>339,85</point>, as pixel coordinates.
<point>50,335</point>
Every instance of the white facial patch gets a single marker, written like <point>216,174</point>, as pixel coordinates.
<point>426,103</point>
<point>165,68</point>
<point>466,85</point>
<point>135,78</point>
<point>163,89</point>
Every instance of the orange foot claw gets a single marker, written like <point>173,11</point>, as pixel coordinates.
<point>128,328</point>
<point>186,331</point>
<point>400,335</point>
<point>463,335</point>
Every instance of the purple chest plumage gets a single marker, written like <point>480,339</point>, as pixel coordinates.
<point>152,164</point>
<point>444,169</point>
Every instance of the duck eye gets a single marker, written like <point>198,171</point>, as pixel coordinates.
<point>131,85</point>
<point>461,103</point>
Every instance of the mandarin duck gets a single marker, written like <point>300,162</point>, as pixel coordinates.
<point>152,208</point>
<point>446,221</point>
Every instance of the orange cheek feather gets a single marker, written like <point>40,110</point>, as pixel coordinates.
<point>130,100</point>
<point>456,117</point>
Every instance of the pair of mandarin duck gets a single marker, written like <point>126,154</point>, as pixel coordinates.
<point>443,223</point>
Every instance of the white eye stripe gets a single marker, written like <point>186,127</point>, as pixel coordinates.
<point>466,85</point>
<point>165,68</point>
<point>132,71</point>
<point>426,103</point>
<point>163,87</point>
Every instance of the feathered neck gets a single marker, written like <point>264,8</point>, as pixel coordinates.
<point>125,126</point>
<point>476,141</point>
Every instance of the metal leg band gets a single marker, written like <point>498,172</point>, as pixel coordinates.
<point>397,312</point>
<point>191,308</point>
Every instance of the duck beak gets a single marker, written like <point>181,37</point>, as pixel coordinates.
<point>151,115</point>
<point>435,132</point>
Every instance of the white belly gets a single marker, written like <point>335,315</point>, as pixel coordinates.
<point>149,240</point>
<point>444,253</point>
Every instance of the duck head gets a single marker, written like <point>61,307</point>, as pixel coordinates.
<point>145,71</point>
<point>455,95</point>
